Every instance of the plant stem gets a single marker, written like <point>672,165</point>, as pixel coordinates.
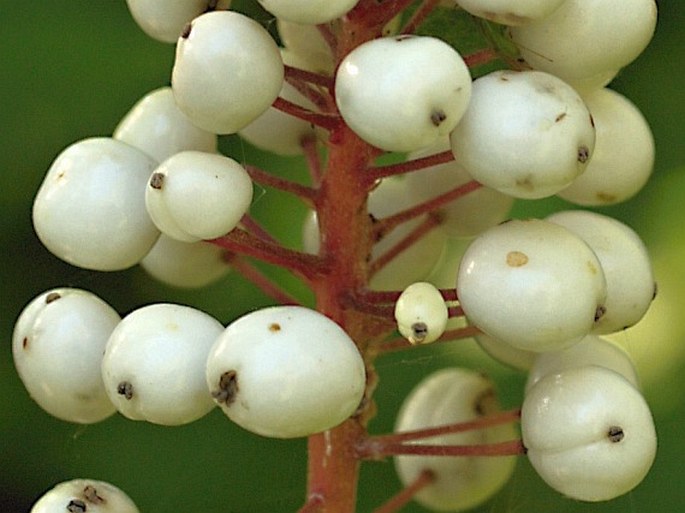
<point>420,14</point>
<point>401,499</point>
<point>400,343</point>
<point>263,282</point>
<point>306,194</point>
<point>327,121</point>
<point>509,448</point>
<point>380,172</point>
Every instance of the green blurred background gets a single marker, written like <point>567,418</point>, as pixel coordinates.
<point>70,69</point>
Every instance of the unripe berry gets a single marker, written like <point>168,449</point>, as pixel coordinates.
<point>421,313</point>
<point>285,372</point>
<point>57,344</point>
<point>589,433</point>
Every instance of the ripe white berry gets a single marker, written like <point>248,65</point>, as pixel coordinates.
<point>84,496</point>
<point>309,12</point>
<point>506,353</point>
<point>194,195</point>
<point>285,372</point>
<point>508,12</point>
<point>278,132</point>
<point>527,134</point>
<point>421,313</point>
<point>227,71</point>
<point>625,262</point>
<point>467,216</point>
<point>592,350</point>
<point>164,19</point>
<point>402,93</point>
<point>589,433</point>
<point>578,40</point>
<point>90,208</point>
<point>156,126</point>
<point>307,44</point>
<point>57,345</point>
<point>154,364</point>
<point>446,397</point>
<point>532,284</point>
<point>185,264</point>
<point>624,152</point>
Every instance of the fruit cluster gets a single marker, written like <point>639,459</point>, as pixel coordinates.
<point>354,81</point>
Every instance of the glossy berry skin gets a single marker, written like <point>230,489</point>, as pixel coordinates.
<point>589,433</point>
<point>84,496</point>
<point>421,313</point>
<point>506,12</point>
<point>532,284</point>
<point>90,208</point>
<point>309,12</point>
<point>57,345</point>
<point>228,70</point>
<point>527,134</point>
<point>154,361</point>
<point>286,372</point>
<point>402,93</point>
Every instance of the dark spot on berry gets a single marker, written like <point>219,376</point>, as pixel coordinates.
<point>125,388</point>
<point>560,117</point>
<point>599,313</point>
<point>615,434</point>
<point>583,154</point>
<point>185,33</point>
<point>274,327</point>
<point>402,37</point>
<point>228,388</point>
<point>655,291</point>
<point>156,180</point>
<point>592,121</point>
<point>76,506</point>
<point>52,296</point>
<point>516,259</point>
<point>419,331</point>
<point>91,495</point>
<point>25,342</point>
<point>485,403</point>
<point>437,117</point>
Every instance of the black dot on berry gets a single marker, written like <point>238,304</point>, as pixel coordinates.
<point>615,434</point>
<point>185,33</point>
<point>91,495</point>
<point>599,313</point>
<point>228,388</point>
<point>125,388</point>
<point>583,154</point>
<point>76,506</point>
<point>52,296</point>
<point>156,180</point>
<point>438,116</point>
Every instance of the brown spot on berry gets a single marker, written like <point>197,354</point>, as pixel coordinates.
<point>560,117</point>
<point>438,116</point>
<point>228,388</point>
<point>599,313</point>
<point>156,180</point>
<point>615,434</point>
<point>25,342</point>
<point>274,327</point>
<point>592,121</point>
<point>187,29</point>
<point>583,154</point>
<point>419,331</point>
<point>485,403</point>
<point>125,388</point>
<point>52,296</point>
<point>76,506</point>
<point>91,495</point>
<point>655,291</point>
<point>516,259</point>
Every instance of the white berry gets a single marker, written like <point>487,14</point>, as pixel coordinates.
<point>508,12</point>
<point>532,284</point>
<point>156,126</point>
<point>164,19</point>
<point>623,159</point>
<point>421,313</point>
<point>154,363</point>
<point>402,93</point>
<point>447,397</point>
<point>194,195</point>
<point>57,345</point>
<point>227,71</point>
<point>527,134</point>
<point>578,40</point>
<point>285,372</point>
<point>625,262</point>
<point>90,208</point>
<point>589,433</point>
<point>185,264</point>
<point>84,496</point>
<point>309,12</point>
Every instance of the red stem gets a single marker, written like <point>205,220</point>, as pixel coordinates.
<point>307,194</point>
<point>400,343</point>
<point>308,76</point>
<point>252,226</point>
<point>419,16</point>
<point>391,296</point>
<point>326,121</point>
<point>481,57</point>
<point>311,155</point>
<point>379,172</point>
<point>401,499</point>
<point>510,448</point>
<point>263,282</point>
<point>390,222</point>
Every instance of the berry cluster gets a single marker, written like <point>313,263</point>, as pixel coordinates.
<point>355,82</point>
